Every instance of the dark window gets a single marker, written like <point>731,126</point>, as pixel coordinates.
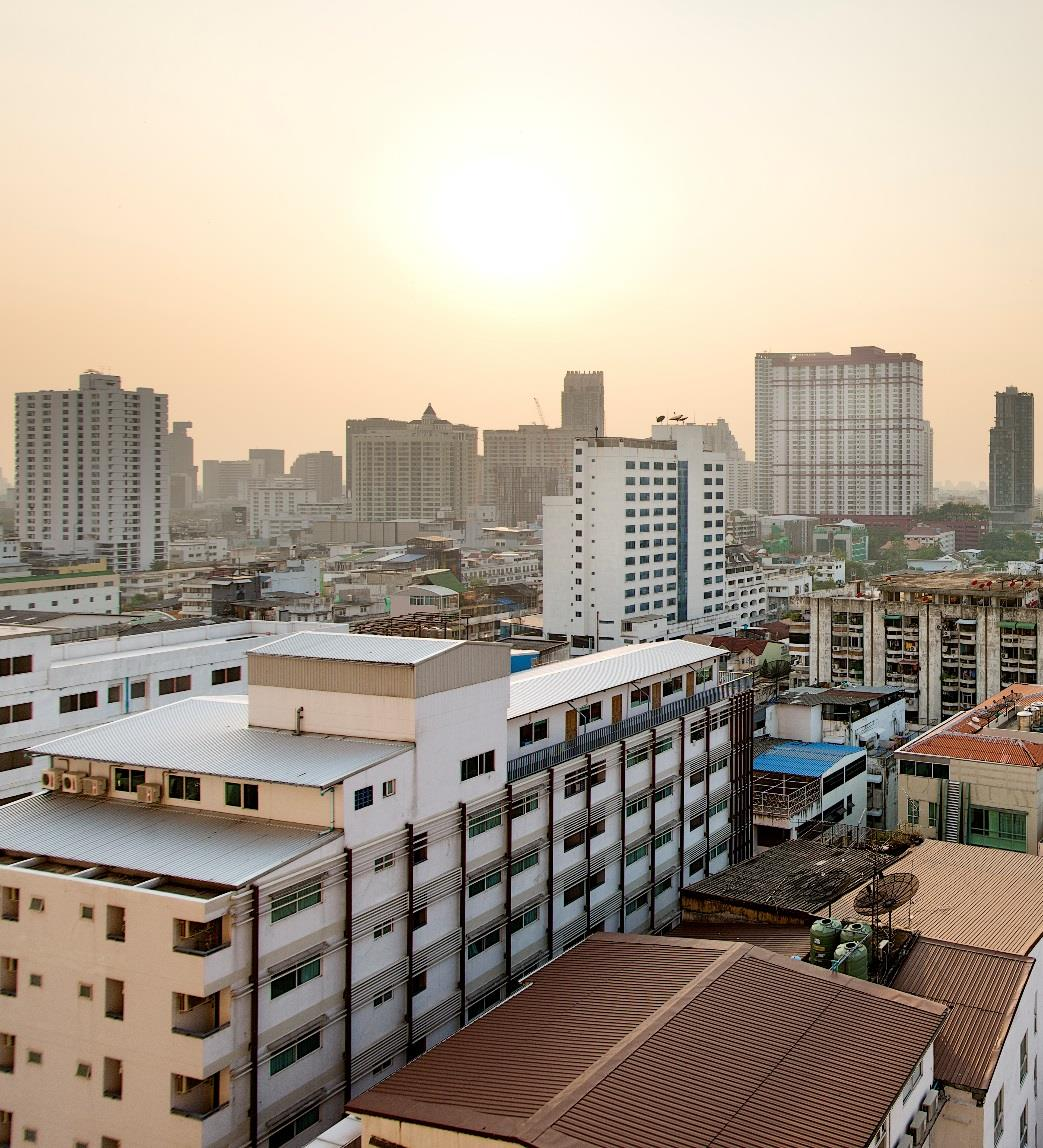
<point>574,839</point>
<point>575,782</point>
<point>19,665</point>
<point>137,689</point>
<point>242,796</point>
<point>23,711</point>
<point>127,780</point>
<point>292,1130</point>
<point>70,703</point>
<point>364,797</point>
<point>419,848</point>
<point>477,765</point>
<point>115,694</point>
<point>228,674</point>
<point>574,892</point>
<point>419,918</point>
<point>417,983</point>
<point>295,977</point>
<point>183,788</point>
<point>177,685</point>
<point>533,731</point>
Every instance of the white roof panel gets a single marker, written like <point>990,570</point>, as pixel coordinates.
<point>213,736</point>
<point>152,839</point>
<point>558,682</point>
<point>348,647</point>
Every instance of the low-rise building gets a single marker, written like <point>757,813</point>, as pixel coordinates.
<point>782,586</point>
<point>850,537</point>
<point>216,597</point>
<point>198,551</point>
<point>424,600</point>
<point>91,593</point>
<point>922,536</point>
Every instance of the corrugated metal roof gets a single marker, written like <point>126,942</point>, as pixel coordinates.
<point>621,1041</point>
<point>967,736</point>
<point>803,758</point>
<point>982,990</point>
<point>969,895</point>
<point>350,647</point>
<point>152,839</point>
<point>212,736</point>
<point>789,939</point>
<point>558,682</point>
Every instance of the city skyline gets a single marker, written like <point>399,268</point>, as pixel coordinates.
<point>518,204</point>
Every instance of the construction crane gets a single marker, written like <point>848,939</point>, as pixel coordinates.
<point>539,411</point>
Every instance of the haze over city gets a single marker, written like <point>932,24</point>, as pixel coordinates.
<point>286,215</point>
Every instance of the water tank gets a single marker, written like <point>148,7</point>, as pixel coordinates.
<point>854,958</point>
<point>523,660</point>
<point>825,936</point>
<point>856,931</point>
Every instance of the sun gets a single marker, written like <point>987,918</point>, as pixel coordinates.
<point>505,219</point>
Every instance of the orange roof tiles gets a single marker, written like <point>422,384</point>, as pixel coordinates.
<point>968,737</point>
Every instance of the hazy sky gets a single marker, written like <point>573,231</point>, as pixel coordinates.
<point>284,214</point>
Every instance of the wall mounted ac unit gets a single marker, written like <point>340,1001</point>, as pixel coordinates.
<point>52,778</point>
<point>918,1127</point>
<point>73,782</point>
<point>150,794</point>
<point>931,1104</point>
<point>95,786</point>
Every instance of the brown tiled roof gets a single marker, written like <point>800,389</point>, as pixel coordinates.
<point>982,990</point>
<point>736,645</point>
<point>969,895</point>
<point>655,1041</point>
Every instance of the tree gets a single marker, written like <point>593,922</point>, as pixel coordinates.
<point>998,548</point>
<point>776,672</point>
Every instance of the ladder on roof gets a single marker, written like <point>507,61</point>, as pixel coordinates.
<point>953,810</point>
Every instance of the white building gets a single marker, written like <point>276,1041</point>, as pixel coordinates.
<point>741,474</point>
<point>189,551</point>
<point>638,551</point>
<point>279,505</point>
<point>92,472</point>
<point>746,592</point>
<point>842,434</point>
<point>480,823</point>
<point>504,568</point>
<point>782,586</point>
<point>921,535</point>
<point>96,593</point>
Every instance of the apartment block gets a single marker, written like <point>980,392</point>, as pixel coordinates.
<point>278,505</point>
<point>583,403</point>
<point>521,467</point>
<point>1012,494</point>
<point>94,593</point>
<point>323,471</point>
<point>340,869</point>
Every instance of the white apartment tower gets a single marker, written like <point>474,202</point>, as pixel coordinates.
<point>637,552</point>
<point>92,472</point>
<point>842,434</point>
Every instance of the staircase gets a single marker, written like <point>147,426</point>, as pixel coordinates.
<point>953,808</point>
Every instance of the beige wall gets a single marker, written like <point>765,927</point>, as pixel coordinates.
<point>422,1136</point>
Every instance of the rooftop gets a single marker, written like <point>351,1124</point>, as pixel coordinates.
<point>831,695</point>
<point>738,645</point>
<point>214,848</point>
<point>213,736</point>
<point>989,732</point>
<point>348,647</point>
<point>960,582</point>
<point>559,682</point>
<point>801,758</point>
<point>579,1045</point>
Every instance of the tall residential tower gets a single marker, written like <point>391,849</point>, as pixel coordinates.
<point>583,403</point>
<point>1011,457</point>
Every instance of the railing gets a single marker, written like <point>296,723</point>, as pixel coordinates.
<point>782,799</point>
<point>540,759</point>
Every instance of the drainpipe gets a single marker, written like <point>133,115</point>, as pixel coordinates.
<point>347,970</point>
<point>255,1007</point>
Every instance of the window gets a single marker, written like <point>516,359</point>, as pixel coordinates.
<point>241,795</point>
<point>115,923</point>
<point>20,665</point>
<point>83,1070</point>
<point>87,912</point>
<point>70,703</point>
<point>717,850</point>
<point>299,975</point>
<point>533,731</point>
<point>575,782</point>
<point>662,886</point>
<point>637,853</point>
<point>911,1083</point>
<point>87,992</point>
<point>114,999</point>
<point>663,839</point>
<point>573,892</point>
<point>384,861</point>
<point>487,881</point>
<point>388,788</point>
<point>718,807</point>
<point>522,920</point>
<point>912,811</point>
<point>636,903</point>
<point>932,814</point>
<point>483,822</point>
<point>1023,1128</point>
<point>1023,1061</point>
<point>673,686</point>
<point>295,900</point>
<point>126,780</point>
<point>477,765</point>
<point>1000,828</point>
<point>640,696</point>
<point>137,690</point>
<point>663,793</point>
<point>183,788</point>
<point>573,840</point>
<point>222,677</point>
<point>115,694</point>
<point>419,848</point>
<point>589,713</point>
<point>383,930</point>
<point>34,1056</point>
<point>997,1118</point>
<point>296,1126</point>
<point>417,983</point>
<point>527,803</point>
<point>418,918</point>
<point>363,797</point>
<point>177,685</point>
<point>636,756</point>
<point>527,862</point>
<point>485,941</point>
<point>636,805</point>
<point>23,711</point>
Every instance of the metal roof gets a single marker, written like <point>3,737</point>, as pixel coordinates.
<point>348,647</point>
<point>803,758</point>
<point>969,895</point>
<point>213,736</point>
<point>570,1060</point>
<point>152,839</point>
<point>558,682</point>
<point>982,990</point>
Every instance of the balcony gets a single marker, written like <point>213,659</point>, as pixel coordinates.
<point>197,1016</point>
<point>200,938</point>
<point>196,1099</point>
<point>780,799</point>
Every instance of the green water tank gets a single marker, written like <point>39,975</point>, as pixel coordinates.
<point>825,936</point>
<point>854,959</point>
<point>856,931</point>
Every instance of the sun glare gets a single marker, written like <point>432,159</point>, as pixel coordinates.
<point>505,219</point>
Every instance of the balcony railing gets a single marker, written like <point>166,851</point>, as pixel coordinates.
<point>530,763</point>
<point>783,798</point>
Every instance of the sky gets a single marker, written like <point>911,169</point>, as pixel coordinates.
<point>286,214</point>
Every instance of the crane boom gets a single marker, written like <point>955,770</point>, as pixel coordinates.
<point>539,411</point>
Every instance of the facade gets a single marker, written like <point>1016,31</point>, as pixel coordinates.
<point>323,471</point>
<point>198,550</point>
<point>741,474</point>
<point>850,537</point>
<point>842,434</point>
<point>92,472</point>
<point>949,640</point>
<point>922,535</point>
<point>556,802</point>
<point>583,404</point>
<point>746,592</point>
<point>229,480</point>
<point>504,568</point>
<point>782,586</point>
<point>154,585</point>
<point>1012,492</point>
<point>184,474</point>
<point>638,552</point>
<point>77,593</point>
<point>279,505</point>
<point>272,462</point>
<point>217,597</point>
<point>521,467</point>
<point>426,469</point>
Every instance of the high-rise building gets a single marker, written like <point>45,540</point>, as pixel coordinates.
<point>323,471</point>
<point>583,403</point>
<point>226,480</point>
<point>842,434</point>
<point>524,466</point>
<point>741,474</point>
<point>425,469</point>
<point>92,472</point>
<point>279,505</point>
<point>183,470</point>
<point>274,461</point>
<point>1012,458</point>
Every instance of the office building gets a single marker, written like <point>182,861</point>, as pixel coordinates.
<point>323,471</point>
<point>524,466</point>
<point>426,469</point>
<point>842,434</point>
<point>279,505</point>
<point>229,480</point>
<point>273,462</point>
<point>332,878</point>
<point>1012,494</point>
<point>92,472</point>
<point>184,474</point>
<point>583,403</point>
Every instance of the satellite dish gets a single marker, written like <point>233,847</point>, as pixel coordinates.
<point>660,418</point>
<point>889,891</point>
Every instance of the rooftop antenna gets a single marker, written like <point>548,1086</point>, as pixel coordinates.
<point>678,418</point>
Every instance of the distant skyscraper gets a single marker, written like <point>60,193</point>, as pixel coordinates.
<point>842,434</point>
<point>424,469</point>
<point>274,461</point>
<point>523,466</point>
<point>1012,458</point>
<point>183,470</point>
<point>323,471</point>
<point>228,480</point>
<point>583,403</point>
<point>92,472</point>
<point>718,438</point>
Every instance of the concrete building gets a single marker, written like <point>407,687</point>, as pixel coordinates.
<point>782,586</point>
<point>741,474</point>
<point>840,434</point>
<point>302,888</point>
<point>229,480</point>
<point>796,530</point>
<point>426,469</point>
<point>324,472</point>
<point>583,404</point>
<point>92,472</point>
<point>216,596</point>
<point>852,538</point>
<point>926,535</point>
<point>436,600</point>
<point>198,551</point>
<point>184,474</point>
<point>154,586</point>
<point>524,466</point>
<point>746,594</point>
<point>273,462</point>
<point>638,552</point>
<point>97,593</point>
<point>279,506</point>
<point>1012,493</point>
<point>949,640</point>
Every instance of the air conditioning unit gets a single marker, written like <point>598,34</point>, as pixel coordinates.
<point>95,786</point>
<point>931,1104</point>
<point>918,1127</point>
<point>52,778</point>
<point>73,782</point>
<point>905,1142</point>
<point>149,793</point>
